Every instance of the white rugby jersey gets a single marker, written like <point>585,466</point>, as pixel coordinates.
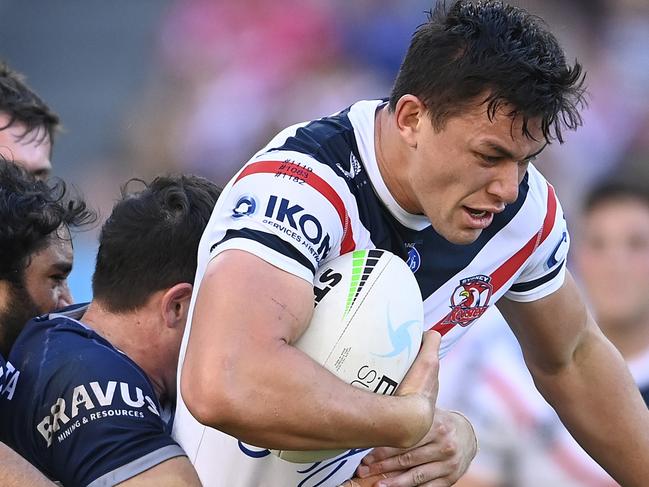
<point>315,192</point>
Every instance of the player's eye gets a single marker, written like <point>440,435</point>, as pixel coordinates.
<point>491,159</point>
<point>59,277</point>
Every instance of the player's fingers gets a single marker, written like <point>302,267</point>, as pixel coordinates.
<point>438,483</point>
<point>426,475</point>
<point>404,460</point>
<point>367,482</point>
<point>378,454</point>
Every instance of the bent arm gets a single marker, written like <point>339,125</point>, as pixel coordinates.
<point>15,471</point>
<point>175,472</point>
<point>585,379</point>
<point>242,375</point>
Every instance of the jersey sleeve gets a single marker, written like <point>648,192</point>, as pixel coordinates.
<point>545,270</point>
<point>286,208</point>
<point>97,421</point>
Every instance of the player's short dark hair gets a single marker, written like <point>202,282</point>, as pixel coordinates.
<point>612,190</point>
<point>23,105</point>
<point>490,48</point>
<point>30,211</point>
<point>150,241</point>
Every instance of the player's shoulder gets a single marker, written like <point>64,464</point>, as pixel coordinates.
<point>327,147</point>
<point>57,349</point>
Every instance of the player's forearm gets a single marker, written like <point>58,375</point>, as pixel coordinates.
<point>282,399</point>
<point>599,403</point>
<point>242,375</point>
<point>15,471</point>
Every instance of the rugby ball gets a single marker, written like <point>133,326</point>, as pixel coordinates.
<point>366,328</point>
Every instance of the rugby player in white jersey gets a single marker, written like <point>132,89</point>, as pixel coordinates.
<point>441,175</point>
<point>36,259</point>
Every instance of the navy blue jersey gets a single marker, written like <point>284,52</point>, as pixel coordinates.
<point>8,382</point>
<point>82,411</point>
<point>645,394</point>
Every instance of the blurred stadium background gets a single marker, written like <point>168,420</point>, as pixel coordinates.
<point>150,86</point>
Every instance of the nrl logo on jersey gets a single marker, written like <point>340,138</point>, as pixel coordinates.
<point>354,167</point>
<point>469,301</point>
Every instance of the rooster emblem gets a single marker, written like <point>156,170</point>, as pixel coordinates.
<point>469,300</point>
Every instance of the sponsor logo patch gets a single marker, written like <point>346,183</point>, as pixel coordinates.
<point>246,206</point>
<point>414,258</point>
<point>292,220</point>
<point>354,167</point>
<point>8,380</point>
<point>93,401</point>
<point>559,253</point>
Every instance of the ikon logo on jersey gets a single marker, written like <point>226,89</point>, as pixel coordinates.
<point>245,206</point>
<point>294,221</point>
<point>469,301</point>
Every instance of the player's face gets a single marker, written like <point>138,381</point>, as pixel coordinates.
<point>464,174</point>
<point>32,151</point>
<point>44,288</point>
<point>46,276</point>
<point>613,260</point>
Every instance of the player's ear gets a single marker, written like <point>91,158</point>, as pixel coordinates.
<point>409,113</point>
<point>175,304</point>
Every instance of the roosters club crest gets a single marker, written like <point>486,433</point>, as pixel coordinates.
<point>469,301</point>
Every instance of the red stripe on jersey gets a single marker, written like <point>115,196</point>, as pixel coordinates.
<point>293,170</point>
<point>507,270</point>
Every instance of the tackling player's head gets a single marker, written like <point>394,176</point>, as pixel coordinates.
<point>27,124</point>
<point>612,254</point>
<point>483,88</point>
<point>35,246</point>
<point>149,242</point>
<point>145,269</point>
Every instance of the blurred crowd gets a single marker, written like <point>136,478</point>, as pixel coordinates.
<point>212,80</point>
<point>223,76</point>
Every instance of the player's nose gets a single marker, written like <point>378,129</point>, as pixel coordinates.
<point>64,297</point>
<point>505,184</point>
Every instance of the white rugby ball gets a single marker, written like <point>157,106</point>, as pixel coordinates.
<point>366,328</point>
